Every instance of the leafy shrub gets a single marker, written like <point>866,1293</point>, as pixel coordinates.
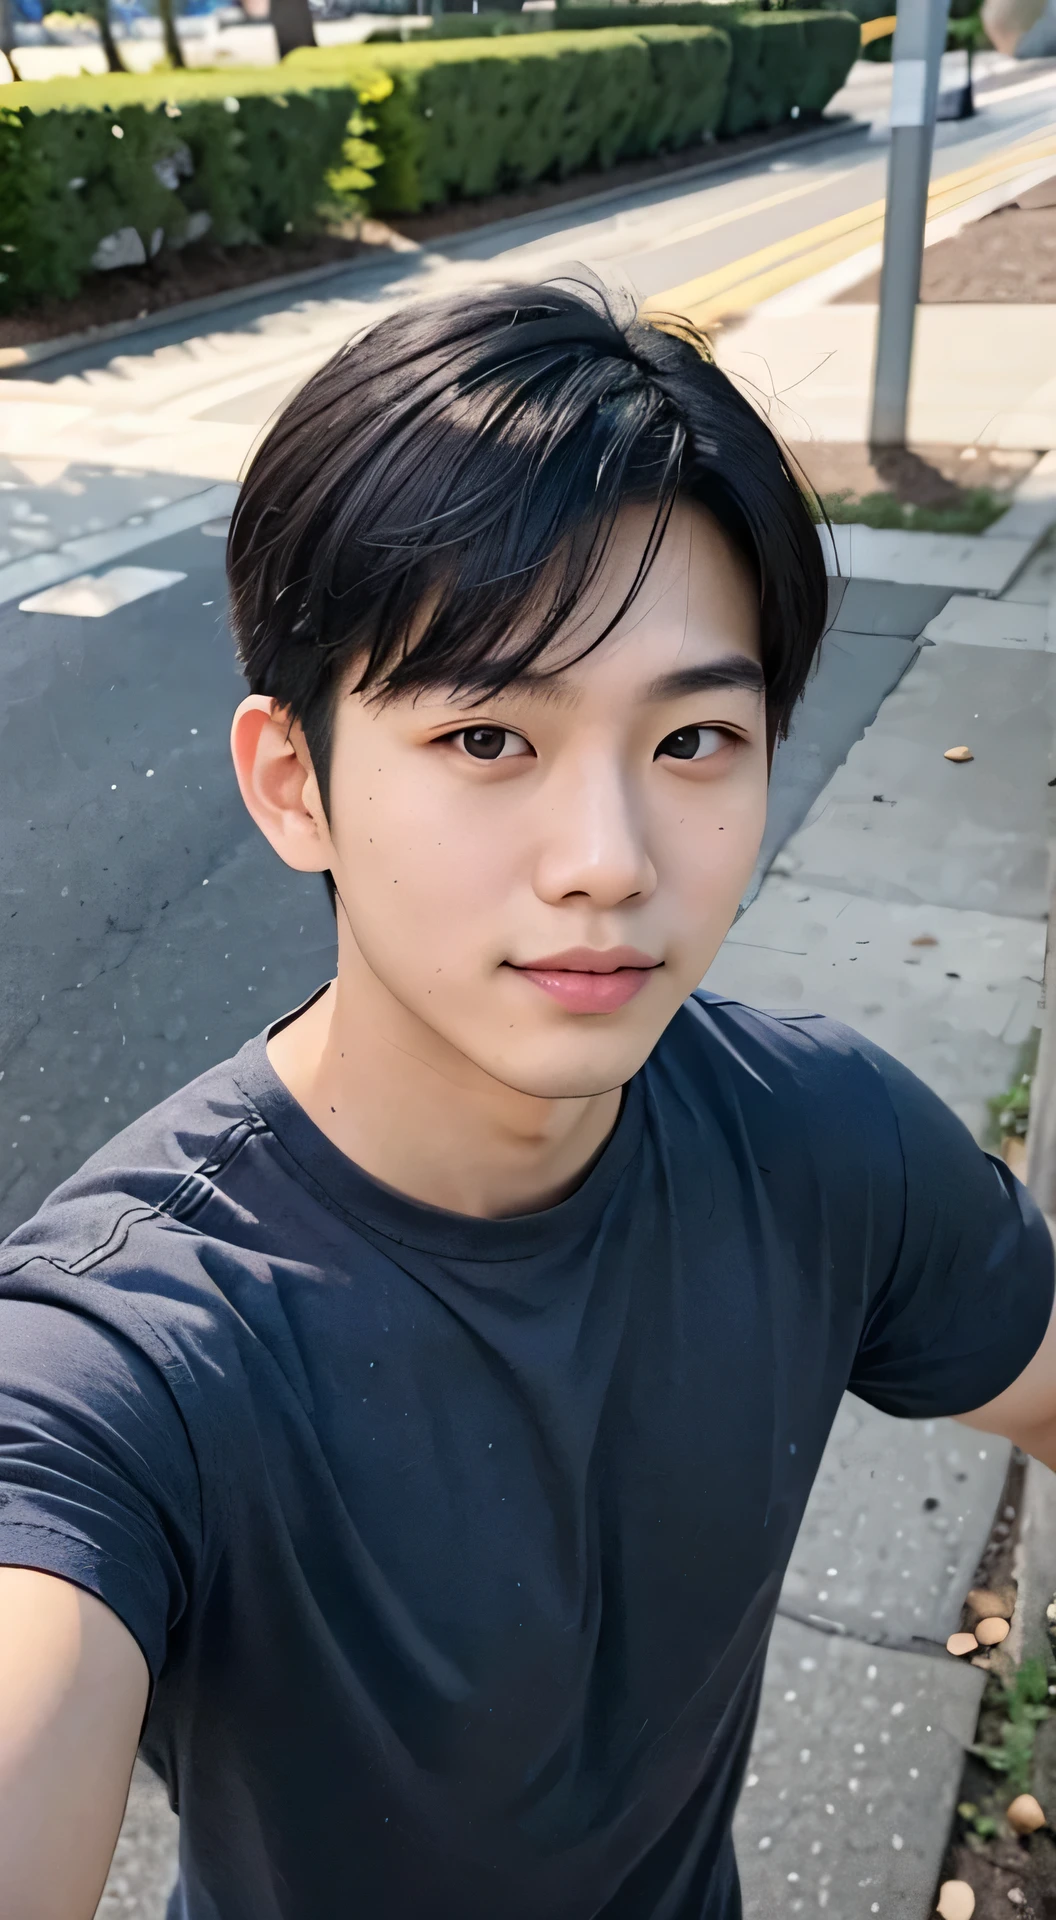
<point>464,120</point>
<point>170,155</point>
<point>781,58</point>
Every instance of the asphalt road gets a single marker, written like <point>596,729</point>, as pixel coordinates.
<point>148,927</point>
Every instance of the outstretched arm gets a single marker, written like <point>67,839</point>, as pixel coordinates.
<point>73,1692</point>
<point>1026,1412</point>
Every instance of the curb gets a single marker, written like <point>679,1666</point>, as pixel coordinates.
<point>13,359</point>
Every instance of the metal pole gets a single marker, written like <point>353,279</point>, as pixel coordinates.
<point>920,37</point>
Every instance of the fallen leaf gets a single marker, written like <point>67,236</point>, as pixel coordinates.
<point>1024,1815</point>
<point>924,940</point>
<point>958,753</point>
<point>959,1643</point>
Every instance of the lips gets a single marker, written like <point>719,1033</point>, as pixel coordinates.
<point>584,980</point>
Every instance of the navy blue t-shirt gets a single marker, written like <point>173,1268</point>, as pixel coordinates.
<point>414,1515</point>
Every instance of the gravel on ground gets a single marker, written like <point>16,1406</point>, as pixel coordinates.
<point>926,476</point>
<point>1007,258</point>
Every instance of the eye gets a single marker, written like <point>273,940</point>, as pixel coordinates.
<point>692,743</point>
<point>491,743</point>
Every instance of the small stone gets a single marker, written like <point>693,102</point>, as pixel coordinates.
<point>1024,1815</point>
<point>956,1900</point>
<point>985,1602</point>
<point>959,1643</point>
<point>1017,1896</point>
<point>960,754</point>
<point>980,1660</point>
<point>991,1632</point>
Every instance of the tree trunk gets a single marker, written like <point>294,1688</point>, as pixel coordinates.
<point>7,26</point>
<point>169,34</point>
<point>106,35</point>
<point>292,21</point>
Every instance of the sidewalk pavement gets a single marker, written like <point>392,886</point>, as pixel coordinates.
<point>859,1749</point>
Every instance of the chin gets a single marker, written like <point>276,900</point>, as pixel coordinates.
<point>561,1069</point>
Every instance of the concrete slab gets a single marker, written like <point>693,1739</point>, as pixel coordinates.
<point>982,375</point>
<point>1037,581</point>
<point>884,606</point>
<point>853,1778</point>
<point>831,951</point>
<point>854,673</point>
<point>41,570</point>
<point>895,1527</point>
<point>971,835</point>
<point>1033,511</point>
<point>949,560</point>
<point>92,596</point>
<point>46,501</point>
<point>971,622</point>
<point>144,1866</point>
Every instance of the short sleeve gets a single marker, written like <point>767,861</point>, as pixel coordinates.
<point>98,1482</point>
<point>967,1302</point>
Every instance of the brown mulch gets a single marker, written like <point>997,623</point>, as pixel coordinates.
<point>1006,1864</point>
<point>136,293</point>
<point>918,476</point>
<point>1008,257</point>
<point>1001,1867</point>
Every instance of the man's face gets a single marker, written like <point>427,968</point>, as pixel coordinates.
<point>541,879</point>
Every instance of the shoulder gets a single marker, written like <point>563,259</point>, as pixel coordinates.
<point>112,1241</point>
<point>806,1060</point>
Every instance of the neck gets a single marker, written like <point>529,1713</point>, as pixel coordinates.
<point>416,1114</point>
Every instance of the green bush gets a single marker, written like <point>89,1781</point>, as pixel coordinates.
<point>785,64</point>
<point>782,58</point>
<point>172,155</point>
<point>464,121</point>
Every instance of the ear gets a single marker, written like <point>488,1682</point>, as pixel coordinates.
<point>274,772</point>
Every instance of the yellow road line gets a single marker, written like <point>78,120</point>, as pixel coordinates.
<point>754,206</point>
<point>757,276</point>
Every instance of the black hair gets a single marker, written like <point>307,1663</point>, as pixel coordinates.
<point>436,501</point>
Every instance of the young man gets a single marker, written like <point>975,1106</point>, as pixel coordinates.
<point>370,1410</point>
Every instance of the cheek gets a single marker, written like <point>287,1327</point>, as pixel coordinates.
<point>421,859</point>
<point>710,857</point>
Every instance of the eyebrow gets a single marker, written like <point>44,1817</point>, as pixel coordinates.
<point>733,670</point>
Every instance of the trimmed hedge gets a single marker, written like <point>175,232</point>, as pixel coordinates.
<point>171,155</point>
<point>781,59</point>
<point>464,121</point>
<point>168,156</point>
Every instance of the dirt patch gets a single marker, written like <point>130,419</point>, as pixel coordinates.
<point>1007,258</point>
<point>917,476</point>
<point>136,293</point>
<point>1009,1875</point>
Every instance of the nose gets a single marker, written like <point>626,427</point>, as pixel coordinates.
<point>595,846</point>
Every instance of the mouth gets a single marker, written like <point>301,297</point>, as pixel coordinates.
<point>587,981</point>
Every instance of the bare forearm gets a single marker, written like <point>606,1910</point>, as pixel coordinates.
<point>73,1689</point>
